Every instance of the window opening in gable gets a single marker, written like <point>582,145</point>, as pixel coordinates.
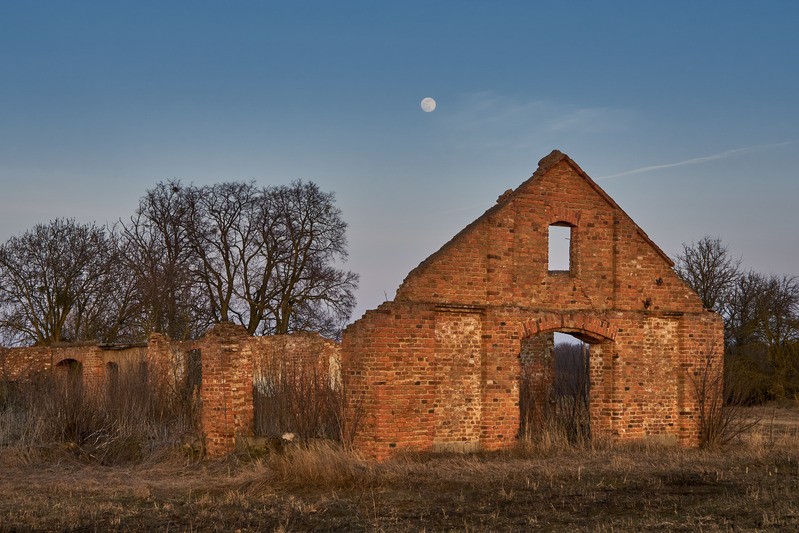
<point>560,239</point>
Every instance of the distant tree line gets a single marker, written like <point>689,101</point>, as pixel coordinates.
<point>268,258</point>
<point>761,319</point>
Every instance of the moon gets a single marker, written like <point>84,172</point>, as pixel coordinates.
<point>428,105</point>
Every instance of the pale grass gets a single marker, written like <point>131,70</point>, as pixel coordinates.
<point>319,485</point>
<point>318,463</point>
<point>548,481</point>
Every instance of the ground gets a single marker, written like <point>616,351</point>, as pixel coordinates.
<point>751,485</point>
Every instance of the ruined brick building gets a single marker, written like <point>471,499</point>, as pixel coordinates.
<point>438,367</point>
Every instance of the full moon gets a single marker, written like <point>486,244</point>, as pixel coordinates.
<point>428,105</point>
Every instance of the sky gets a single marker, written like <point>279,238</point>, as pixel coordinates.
<point>686,113</point>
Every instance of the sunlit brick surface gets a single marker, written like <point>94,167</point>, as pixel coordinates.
<point>438,367</point>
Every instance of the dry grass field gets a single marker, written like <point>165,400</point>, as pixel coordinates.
<point>750,485</point>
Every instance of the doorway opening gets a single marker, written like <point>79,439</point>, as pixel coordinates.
<point>68,375</point>
<point>554,391</point>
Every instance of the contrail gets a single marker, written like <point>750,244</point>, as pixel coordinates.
<point>697,160</point>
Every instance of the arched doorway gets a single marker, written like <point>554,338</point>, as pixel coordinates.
<point>69,366</point>
<point>560,358</point>
<point>554,386</point>
<point>69,375</point>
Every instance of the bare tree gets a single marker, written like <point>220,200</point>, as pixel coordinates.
<point>312,293</point>
<point>223,229</point>
<point>763,331</point>
<point>52,282</point>
<point>111,315</point>
<point>706,266</point>
<point>778,325</point>
<point>157,253</point>
<point>267,257</point>
<point>743,310</point>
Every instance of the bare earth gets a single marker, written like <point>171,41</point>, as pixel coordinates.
<point>751,485</point>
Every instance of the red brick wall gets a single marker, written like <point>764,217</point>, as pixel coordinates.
<point>298,353</point>
<point>226,392</point>
<point>18,363</point>
<point>230,358</point>
<point>442,359</point>
<point>536,357</point>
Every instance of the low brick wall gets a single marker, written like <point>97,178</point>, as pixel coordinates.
<point>230,362</point>
<point>92,359</point>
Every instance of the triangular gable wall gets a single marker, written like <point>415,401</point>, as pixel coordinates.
<point>618,265</point>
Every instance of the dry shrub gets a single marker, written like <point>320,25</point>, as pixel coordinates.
<point>722,395</point>
<point>125,417</point>
<point>558,416</point>
<point>548,435</point>
<point>292,397</point>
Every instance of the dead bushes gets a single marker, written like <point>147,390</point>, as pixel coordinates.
<point>554,408</point>
<point>721,395</point>
<point>308,401</point>
<point>123,417</point>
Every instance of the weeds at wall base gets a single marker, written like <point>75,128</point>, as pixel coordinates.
<point>302,401</point>
<point>54,415</point>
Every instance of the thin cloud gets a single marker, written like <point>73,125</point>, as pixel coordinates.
<point>698,160</point>
<point>492,122</point>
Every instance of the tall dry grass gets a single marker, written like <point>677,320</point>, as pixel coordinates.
<point>722,396</point>
<point>124,417</point>
<point>293,398</point>
<point>557,416</point>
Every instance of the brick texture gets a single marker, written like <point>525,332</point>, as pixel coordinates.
<point>93,360</point>
<point>226,392</point>
<point>301,354</point>
<point>231,360</point>
<point>438,367</point>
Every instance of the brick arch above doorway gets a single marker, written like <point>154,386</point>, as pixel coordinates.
<point>594,327</point>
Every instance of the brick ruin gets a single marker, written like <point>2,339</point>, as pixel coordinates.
<point>230,363</point>
<point>438,367</point>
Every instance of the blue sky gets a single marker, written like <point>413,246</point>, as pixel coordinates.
<point>686,113</point>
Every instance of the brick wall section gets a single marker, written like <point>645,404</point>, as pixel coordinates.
<point>15,363</point>
<point>300,353</point>
<point>19,363</point>
<point>490,287</point>
<point>226,391</point>
<point>536,357</point>
<point>158,356</point>
<point>167,362</point>
<point>230,361</point>
<point>456,400</point>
